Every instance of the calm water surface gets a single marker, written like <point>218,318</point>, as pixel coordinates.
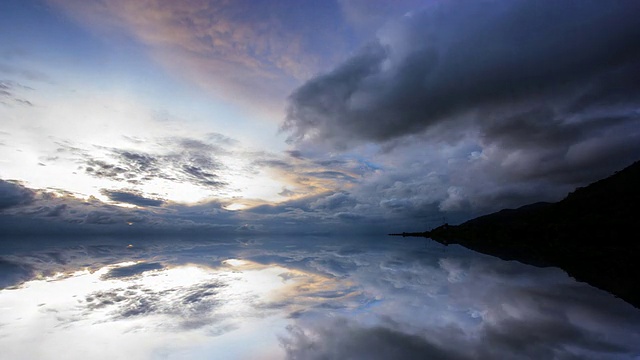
<point>297,298</point>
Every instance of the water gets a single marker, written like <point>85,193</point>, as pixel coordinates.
<point>298,298</point>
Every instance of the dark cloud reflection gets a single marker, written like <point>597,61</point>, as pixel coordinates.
<point>126,271</point>
<point>346,341</point>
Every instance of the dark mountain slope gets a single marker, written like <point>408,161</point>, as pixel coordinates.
<point>593,234</point>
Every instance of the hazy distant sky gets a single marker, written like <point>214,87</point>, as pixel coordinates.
<point>307,116</point>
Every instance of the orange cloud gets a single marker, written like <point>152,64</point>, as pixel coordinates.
<point>241,51</point>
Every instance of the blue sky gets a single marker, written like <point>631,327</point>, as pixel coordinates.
<point>307,116</point>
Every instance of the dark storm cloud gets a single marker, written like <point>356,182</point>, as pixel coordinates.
<point>315,104</point>
<point>56,210</point>
<point>514,339</point>
<point>100,218</point>
<point>541,143</point>
<point>30,211</point>
<point>334,201</point>
<point>350,216</point>
<point>131,198</point>
<point>345,341</point>
<point>14,273</point>
<point>13,194</point>
<point>506,102</point>
<point>458,57</point>
<point>542,340</point>
<point>543,127</point>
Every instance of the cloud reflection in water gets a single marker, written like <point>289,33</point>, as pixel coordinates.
<point>307,298</point>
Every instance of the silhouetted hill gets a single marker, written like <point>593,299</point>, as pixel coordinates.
<point>592,234</point>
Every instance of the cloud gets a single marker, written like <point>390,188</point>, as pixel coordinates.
<point>454,59</point>
<point>514,339</point>
<point>328,174</point>
<point>14,273</point>
<point>191,303</point>
<point>318,108</point>
<point>4,89</point>
<point>346,341</point>
<point>333,201</point>
<point>184,160</point>
<point>202,176</point>
<point>368,16</point>
<point>63,213</point>
<point>307,174</point>
<point>246,52</point>
<point>472,107</point>
<point>57,210</point>
<point>10,90</point>
<point>13,194</point>
<point>100,218</point>
<point>132,270</point>
<point>131,198</point>
<point>542,339</point>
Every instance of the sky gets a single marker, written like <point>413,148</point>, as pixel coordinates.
<point>170,171</point>
<point>202,116</point>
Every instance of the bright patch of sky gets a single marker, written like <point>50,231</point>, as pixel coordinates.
<point>85,91</point>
